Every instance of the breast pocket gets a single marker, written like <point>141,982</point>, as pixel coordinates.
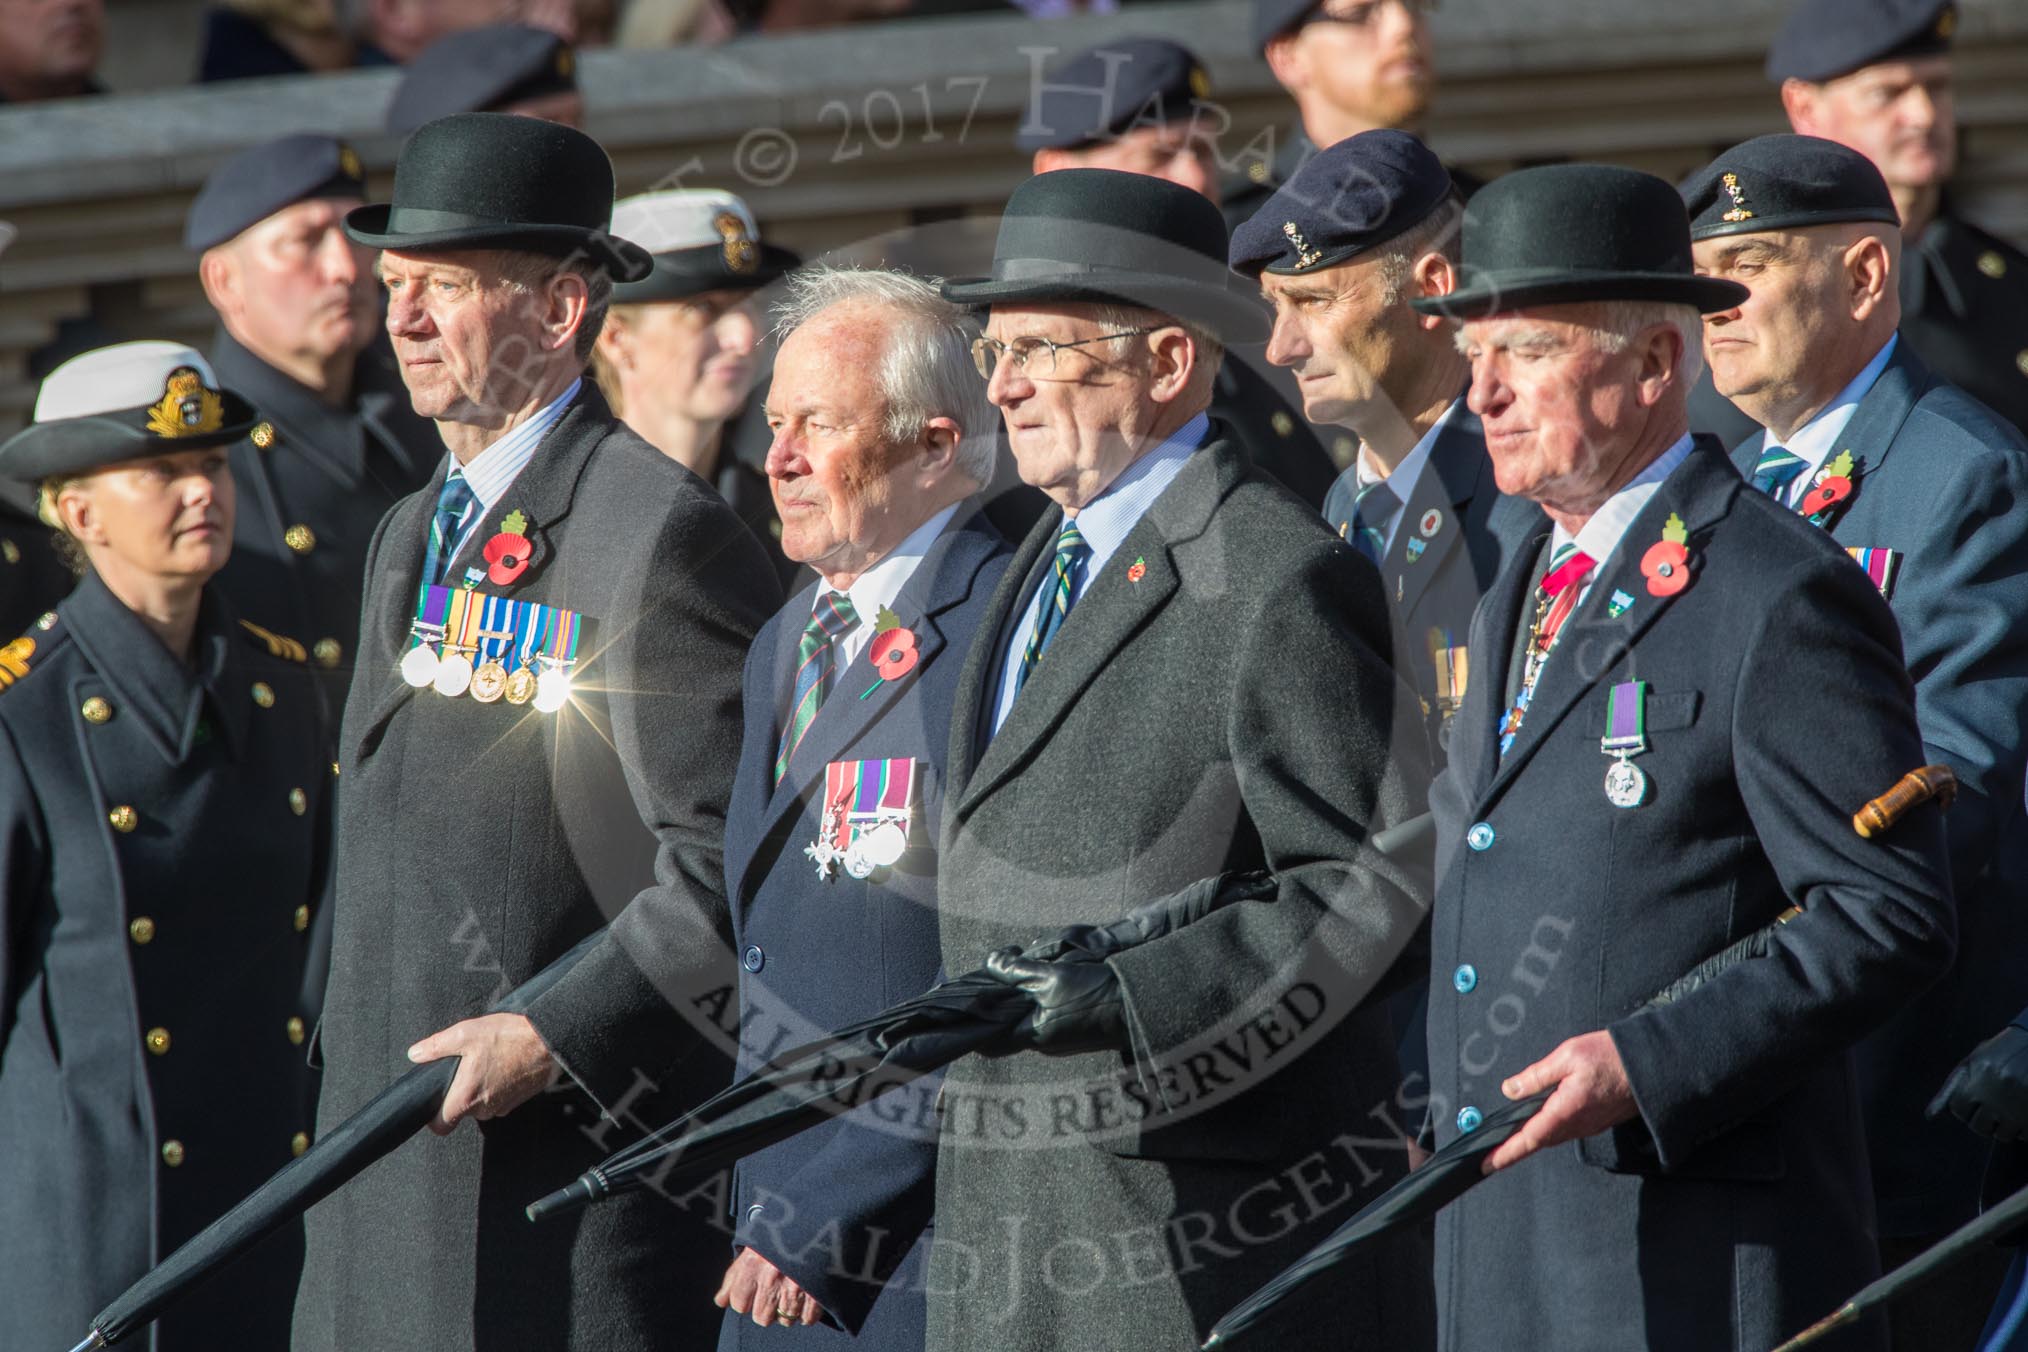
<point>1674,710</point>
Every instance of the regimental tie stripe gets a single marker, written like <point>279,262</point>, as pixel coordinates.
<point>1049,617</point>
<point>832,617</point>
<point>1880,565</point>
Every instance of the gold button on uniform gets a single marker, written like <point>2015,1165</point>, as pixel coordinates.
<point>300,538</point>
<point>302,918</point>
<point>299,802</point>
<point>172,1153</point>
<point>2021,361</point>
<point>263,435</point>
<point>264,694</point>
<point>1283,423</point>
<point>123,818</point>
<point>158,1040</point>
<point>1992,265</point>
<point>96,710</point>
<point>10,551</point>
<point>299,1143</point>
<point>327,651</point>
<point>334,769</point>
<point>141,930</point>
<point>295,1030</point>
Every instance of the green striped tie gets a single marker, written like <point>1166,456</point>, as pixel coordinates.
<point>1776,469</point>
<point>1059,591</point>
<point>832,618</point>
<point>1371,510</point>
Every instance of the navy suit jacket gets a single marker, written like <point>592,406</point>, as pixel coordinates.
<point>840,1207</point>
<point>1943,480</point>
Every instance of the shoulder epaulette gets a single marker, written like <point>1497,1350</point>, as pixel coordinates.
<point>278,645</point>
<point>16,654</point>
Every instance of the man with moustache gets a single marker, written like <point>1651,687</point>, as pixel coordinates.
<point>882,438</point>
<point>1922,485</point>
<point>1181,681</point>
<point>49,49</point>
<point>1877,76</point>
<point>1701,692</point>
<point>538,748</point>
<point>299,333</point>
<point>1350,66</point>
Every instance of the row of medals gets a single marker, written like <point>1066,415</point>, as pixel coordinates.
<point>881,847</point>
<point>453,674</point>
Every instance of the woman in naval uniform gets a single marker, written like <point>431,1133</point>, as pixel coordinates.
<point>164,787</point>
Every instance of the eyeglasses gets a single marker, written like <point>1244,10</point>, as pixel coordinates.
<point>1362,15</point>
<point>1035,357</point>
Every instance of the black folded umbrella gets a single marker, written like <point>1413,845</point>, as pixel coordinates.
<point>1997,1224</point>
<point>389,1118</point>
<point>855,1064</point>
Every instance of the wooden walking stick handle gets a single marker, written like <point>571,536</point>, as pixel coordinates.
<point>1916,788</point>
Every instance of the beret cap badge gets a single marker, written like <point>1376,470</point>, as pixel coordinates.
<point>348,162</point>
<point>741,254</point>
<point>186,408</point>
<point>1200,83</point>
<point>1739,210</point>
<point>1305,255</point>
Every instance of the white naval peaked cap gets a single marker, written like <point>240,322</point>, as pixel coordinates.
<point>681,218</point>
<point>115,379</point>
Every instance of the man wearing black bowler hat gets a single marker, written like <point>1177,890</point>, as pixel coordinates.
<point>1691,690</point>
<point>1182,677</point>
<point>299,331</point>
<point>539,744</point>
<point>1932,482</point>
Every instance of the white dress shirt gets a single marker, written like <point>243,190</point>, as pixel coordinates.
<point>1816,439</point>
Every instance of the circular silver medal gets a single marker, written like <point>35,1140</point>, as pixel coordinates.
<point>856,862</point>
<point>552,689</point>
<point>454,674</point>
<point>419,667</point>
<point>885,844</point>
<point>1625,785</point>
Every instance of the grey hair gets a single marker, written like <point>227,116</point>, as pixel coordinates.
<point>525,272</point>
<point>1210,351</point>
<point>926,371</point>
<point>1621,321</point>
<point>1437,233</point>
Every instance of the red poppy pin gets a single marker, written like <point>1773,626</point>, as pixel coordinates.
<point>1137,570</point>
<point>1831,487</point>
<point>1666,565</point>
<point>507,553</point>
<point>892,652</point>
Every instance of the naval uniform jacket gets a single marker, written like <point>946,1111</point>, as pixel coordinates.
<point>1734,1210</point>
<point>309,498</point>
<point>476,843</point>
<point>1964,305</point>
<point>1218,700</point>
<point>163,833</point>
<point>1941,481</point>
<point>843,1208</point>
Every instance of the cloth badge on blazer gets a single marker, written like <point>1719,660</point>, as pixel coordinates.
<point>1880,564</point>
<point>869,806</point>
<point>524,650</point>
<point>1414,547</point>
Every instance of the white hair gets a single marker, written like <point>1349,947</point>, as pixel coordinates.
<point>1622,321</point>
<point>1210,351</point>
<point>926,371</point>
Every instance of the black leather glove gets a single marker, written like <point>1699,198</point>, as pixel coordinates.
<point>1078,1004</point>
<point>1988,1092</point>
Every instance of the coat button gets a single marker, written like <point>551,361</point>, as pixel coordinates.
<point>263,435</point>
<point>1465,979</point>
<point>327,651</point>
<point>124,818</point>
<point>1283,424</point>
<point>96,710</point>
<point>299,1143</point>
<point>158,1041</point>
<point>299,802</point>
<point>172,1153</point>
<point>295,1027</point>
<point>1480,837</point>
<point>300,538</point>
<point>1469,1119</point>
<point>141,930</point>
<point>302,918</point>
<point>753,958</point>
<point>264,694</point>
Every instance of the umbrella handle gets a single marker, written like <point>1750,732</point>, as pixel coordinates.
<point>1913,790</point>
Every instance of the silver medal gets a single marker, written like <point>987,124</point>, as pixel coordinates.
<point>454,674</point>
<point>885,844</point>
<point>856,862</point>
<point>419,667</point>
<point>1625,785</point>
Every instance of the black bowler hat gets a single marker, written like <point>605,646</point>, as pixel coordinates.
<point>1111,237</point>
<point>481,69</point>
<point>120,402</point>
<point>1577,232</point>
<point>497,181</point>
<point>702,240</point>
<point>1111,89</point>
<point>1345,200</point>
<point>1785,182</point>
<point>256,183</point>
<point>1824,39</point>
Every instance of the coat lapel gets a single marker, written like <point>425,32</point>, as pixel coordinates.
<point>1594,640</point>
<point>1494,631</point>
<point>1447,488</point>
<point>1874,425</point>
<point>978,683</point>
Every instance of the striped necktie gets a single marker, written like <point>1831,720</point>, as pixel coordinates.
<point>832,619</point>
<point>454,503</point>
<point>1558,594</point>
<point>1059,592</point>
<point>1371,511</point>
<point>1776,469</point>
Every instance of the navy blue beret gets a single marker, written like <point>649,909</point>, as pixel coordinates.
<point>1272,18</point>
<point>1785,182</point>
<point>481,70</point>
<point>1355,196</point>
<point>1824,39</point>
<point>256,183</point>
<point>1111,89</point>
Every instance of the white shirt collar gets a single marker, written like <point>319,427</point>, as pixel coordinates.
<point>1106,520</point>
<point>1602,534</point>
<point>493,471</point>
<point>877,587</point>
<point>1408,474</point>
<point>1816,439</point>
